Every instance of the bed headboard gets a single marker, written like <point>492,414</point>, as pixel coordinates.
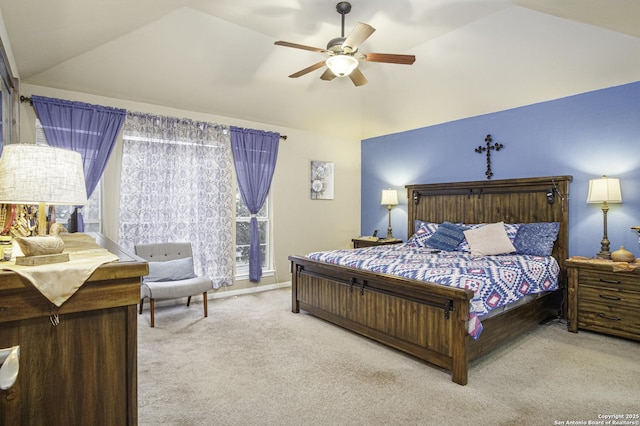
<point>523,200</point>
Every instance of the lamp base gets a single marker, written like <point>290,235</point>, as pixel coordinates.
<point>42,259</point>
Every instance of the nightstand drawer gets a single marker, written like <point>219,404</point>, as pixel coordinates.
<point>613,280</point>
<point>588,295</point>
<point>602,318</point>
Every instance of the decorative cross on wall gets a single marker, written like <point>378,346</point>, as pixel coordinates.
<point>480,149</point>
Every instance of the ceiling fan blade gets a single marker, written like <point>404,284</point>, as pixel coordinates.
<point>389,58</point>
<point>358,35</point>
<point>327,75</point>
<point>358,78</point>
<point>307,70</point>
<point>298,46</point>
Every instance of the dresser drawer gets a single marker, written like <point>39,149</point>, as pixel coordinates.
<point>613,280</point>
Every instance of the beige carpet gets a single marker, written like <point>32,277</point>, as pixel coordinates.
<point>253,362</point>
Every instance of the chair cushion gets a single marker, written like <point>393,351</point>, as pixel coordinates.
<point>175,289</point>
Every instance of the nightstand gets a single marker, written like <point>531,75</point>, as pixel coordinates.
<point>367,242</point>
<point>603,299</point>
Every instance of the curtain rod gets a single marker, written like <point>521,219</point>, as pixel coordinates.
<point>26,99</point>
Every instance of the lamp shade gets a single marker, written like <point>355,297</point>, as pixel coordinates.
<point>33,174</point>
<point>389,197</point>
<point>342,65</point>
<point>604,190</point>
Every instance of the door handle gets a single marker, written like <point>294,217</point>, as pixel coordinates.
<point>10,360</point>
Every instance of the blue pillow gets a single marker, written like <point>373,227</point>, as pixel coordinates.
<point>536,239</point>
<point>447,237</point>
<point>170,270</point>
<point>422,235</point>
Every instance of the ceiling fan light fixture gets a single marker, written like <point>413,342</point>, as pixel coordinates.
<point>342,65</point>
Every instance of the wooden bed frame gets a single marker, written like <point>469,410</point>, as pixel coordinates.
<point>429,320</point>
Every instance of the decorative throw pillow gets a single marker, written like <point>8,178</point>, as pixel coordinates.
<point>536,239</point>
<point>424,232</point>
<point>511,228</point>
<point>489,240</point>
<point>464,245</point>
<point>447,237</point>
<point>35,246</point>
<point>171,270</point>
<point>417,224</point>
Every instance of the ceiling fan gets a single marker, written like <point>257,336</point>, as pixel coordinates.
<point>343,53</point>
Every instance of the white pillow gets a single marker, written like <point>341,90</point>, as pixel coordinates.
<point>489,240</point>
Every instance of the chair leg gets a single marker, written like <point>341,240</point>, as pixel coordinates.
<point>188,300</point>
<point>141,303</point>
<point>152,309</point>
<point>206,310</point>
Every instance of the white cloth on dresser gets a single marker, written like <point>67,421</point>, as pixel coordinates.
<point>59,281</point>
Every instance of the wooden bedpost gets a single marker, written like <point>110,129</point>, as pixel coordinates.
<point>295,306</point>
<point>460,352</point>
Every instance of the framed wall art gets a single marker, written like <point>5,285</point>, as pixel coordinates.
<point>321,180</point>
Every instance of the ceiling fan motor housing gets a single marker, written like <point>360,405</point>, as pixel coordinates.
<point>335,44</point>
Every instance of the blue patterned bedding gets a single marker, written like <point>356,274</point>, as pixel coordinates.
<point>495,280</point>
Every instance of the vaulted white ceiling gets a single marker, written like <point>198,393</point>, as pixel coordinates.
<point>218,56</point>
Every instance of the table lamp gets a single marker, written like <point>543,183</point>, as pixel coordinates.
<point>604,190</point>
<point>390,199</point>
<point>39,174</point>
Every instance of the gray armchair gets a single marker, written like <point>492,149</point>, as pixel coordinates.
<point>171,275</point>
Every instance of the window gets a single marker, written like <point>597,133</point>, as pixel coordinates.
<point>243,218</point>
<point>91,212</point>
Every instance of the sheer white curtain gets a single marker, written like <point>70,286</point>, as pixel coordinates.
<point>176,185</point>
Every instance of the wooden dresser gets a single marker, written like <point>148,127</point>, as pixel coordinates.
<point>82,371</point>
<point>603,299</point>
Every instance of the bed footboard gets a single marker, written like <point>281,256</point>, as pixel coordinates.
<point>425,320</point>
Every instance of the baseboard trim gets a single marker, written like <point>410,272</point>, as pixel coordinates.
<point>221,293</point>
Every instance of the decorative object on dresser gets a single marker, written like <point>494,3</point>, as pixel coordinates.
<point>37,174</point>
<point>421,317</point>
<point>622,255</point>
<point>604,296</point>
<point>604,190</point>
<point>390,199</point>
<point>373,241</point>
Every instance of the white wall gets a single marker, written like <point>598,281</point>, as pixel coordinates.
<point>300,225</point>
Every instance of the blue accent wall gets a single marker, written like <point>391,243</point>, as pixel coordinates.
<point>585,136</point>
